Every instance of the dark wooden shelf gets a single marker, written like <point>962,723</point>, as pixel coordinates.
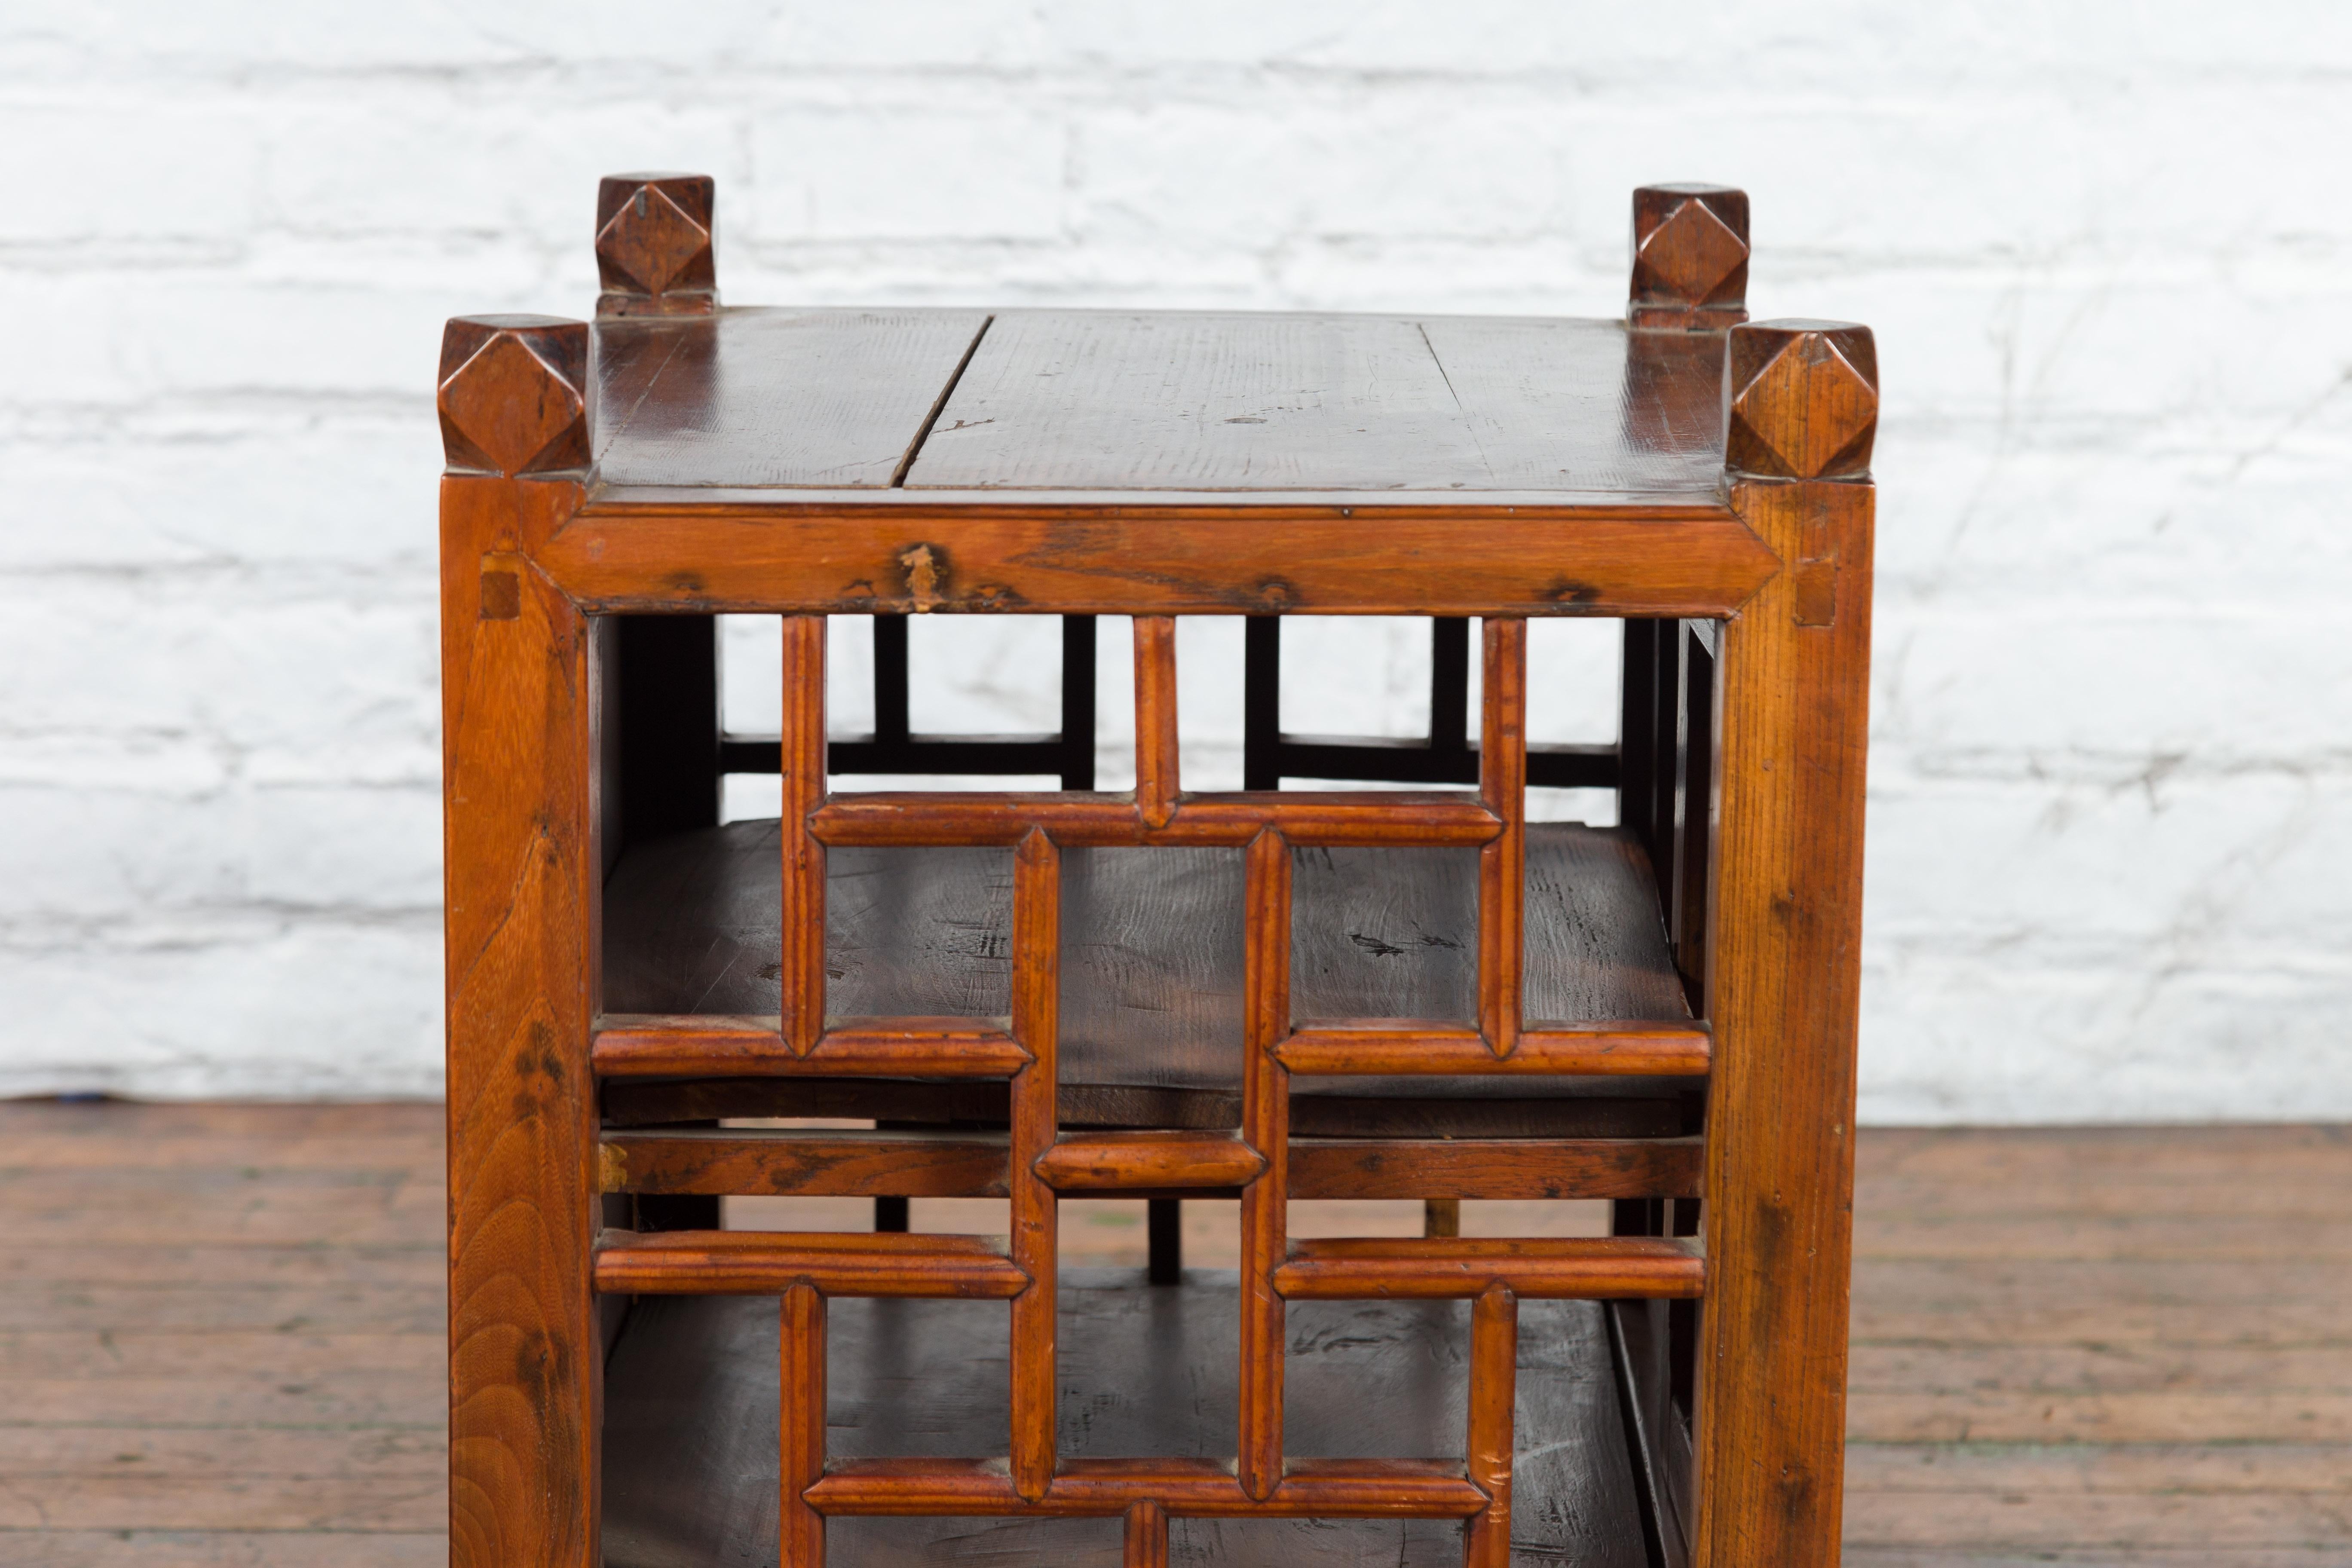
<point>690,1422</point>
<point>1151,999</point>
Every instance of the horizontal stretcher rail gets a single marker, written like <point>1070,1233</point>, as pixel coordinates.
<point>1195,1488</point>
<point>1116,1162</point>
<point>1385,1046</point>
<point>691,1045</point>
<point>829,1163</point>
<point>1137,552</point>
<point>1600,1268</point>
<point>1308,818</point>
<point>768,1263</point>
<point>805,1164</point>
<point>1491,1168</point>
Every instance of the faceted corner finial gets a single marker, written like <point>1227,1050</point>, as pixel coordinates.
<point>1799,399</point>
<point>1690,258</point>
<point>655,235</point>
<point>513,395</point>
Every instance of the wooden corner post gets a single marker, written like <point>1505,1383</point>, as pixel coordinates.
<point>1800,406</point>
<point>518,751</point>
<point>657,239</point>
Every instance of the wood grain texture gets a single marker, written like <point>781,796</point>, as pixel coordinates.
<point>856,552</point>
<point>801,991</point>
<point>1503,863</point>
<point>1157,1161</point>
<point>1158,780</point>
<point>1690,258</point>
<point>1494,1168</point>
<point>1265,1127</point>
<point>1494,1380</point>
<point>1036,1208</point>
<point>1145,1542</point>
<point>638,1044</point>
<point>768,1263</point>
<point>771,398</point>
<point>518,748</point>
<point>1114,400</point>
<point>1331,1488</point>
<point>802,1406</point>
<point>514,398</point>
<point>946,817</point>
<point>1378,1412</point>
<point>1389,1046</point>
<point>655,253</point>
<point>1152,985</point>
<point>1787,904</point>
<point>806,1162</point>
<point>1434,1268</point>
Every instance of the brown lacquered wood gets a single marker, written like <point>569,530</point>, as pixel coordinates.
<point>819,402</point>
<point>1144,1543</point>
<point>654,249</point>
<point>1036,991</point>
<point>973,1166</point>
<point>1107,821</point>
<point>515,399</point>
<point>1493,1384</point>
<point>519,748</point>
<point>656,1045</point>
<point>1503,863</point>
<point>1786,961</point>
<point>1118,400</point>
<point>1114,555</point>
<point>1152,992</point>
<point>1265,1126</point>
<point>1158,779</point>
<point>1372,1488</point>
<point>695,1398</point>
<point>802,1528</point>
<point>1690,258</point>
<point>1800,401</point>
<point>1488,1168</point>
<point>625,1044</point>
<point>1408,1046</point>
<point>810,463</point>
<point>1111,1161</point>
<point>804,868</point>
<point>1428,1268</point>
<point>1324,1489</point>
<point>805,1162</point>
<point>766,1263</point>
<point>908,1488</point>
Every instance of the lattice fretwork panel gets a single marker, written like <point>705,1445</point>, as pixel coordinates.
<point>1032,1478</point>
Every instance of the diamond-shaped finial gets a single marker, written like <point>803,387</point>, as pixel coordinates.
<point>1799,399</point>
<point>1690,258</point>
<point>655,245</point>
<point>513,395</point>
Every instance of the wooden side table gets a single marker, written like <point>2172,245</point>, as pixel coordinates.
<point>1157,993</point>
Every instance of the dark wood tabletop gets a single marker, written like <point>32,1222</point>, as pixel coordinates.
<point>758,399</point>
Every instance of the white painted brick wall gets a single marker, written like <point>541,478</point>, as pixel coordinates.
<point>2102,244</point>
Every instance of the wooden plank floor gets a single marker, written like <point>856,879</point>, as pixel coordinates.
<point>220,1342</point>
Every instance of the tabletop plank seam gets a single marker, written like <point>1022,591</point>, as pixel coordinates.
<point>938,405</point>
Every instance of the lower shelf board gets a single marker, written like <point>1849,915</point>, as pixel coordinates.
<point>692,1418</point>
